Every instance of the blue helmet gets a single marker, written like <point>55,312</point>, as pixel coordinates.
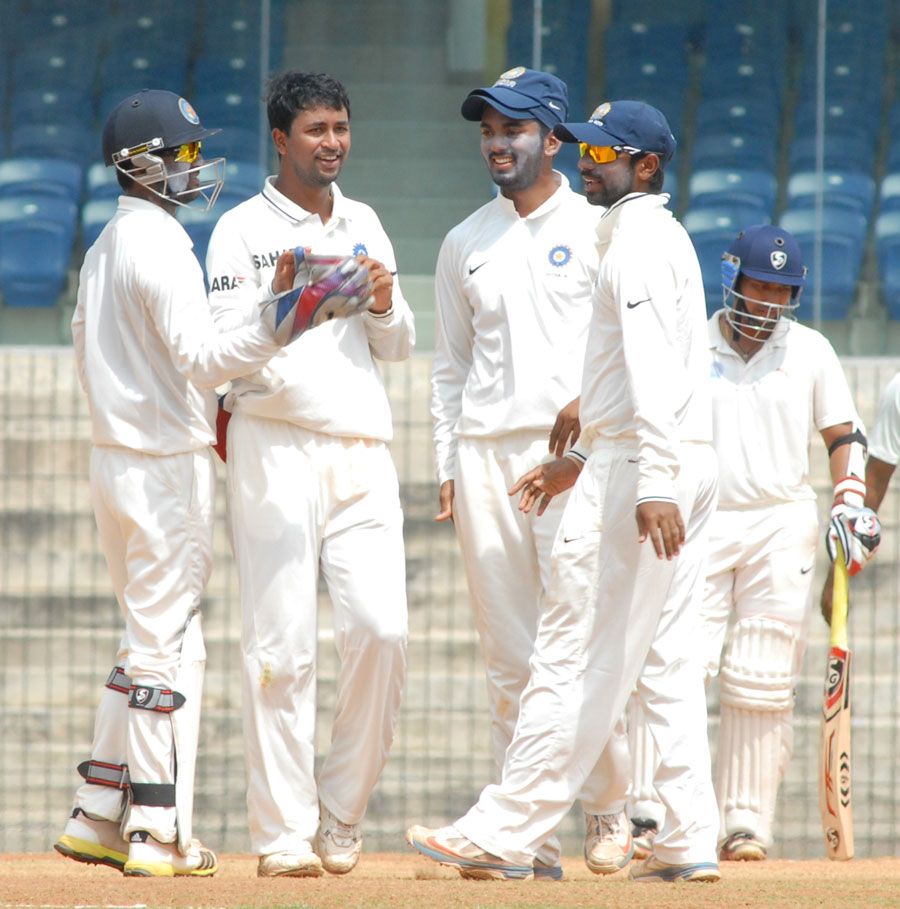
<point>765,253</point>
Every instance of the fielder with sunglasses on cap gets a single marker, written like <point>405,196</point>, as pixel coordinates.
<point>628,560</point>
<point>513,300</point>
<point>149,357</point>
<point>773,379</point>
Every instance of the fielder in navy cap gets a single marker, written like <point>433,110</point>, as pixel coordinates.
<point>632,125</point>
<point>523,94</point>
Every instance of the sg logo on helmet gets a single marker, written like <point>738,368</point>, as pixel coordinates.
<point>778,258</point>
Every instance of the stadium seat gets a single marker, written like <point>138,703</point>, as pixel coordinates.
<point>94,217</point>
<point>51,105</point>
<point>743,77</point>
<point>853,191</point>
<point>719,186</point>
<point>244,177</point>
<point>734,218</point>
<point>72,141</point>
<point>842,248</point>
<point>234,142</point>
<point>228,108</point>
<point>887,242</point>
<point>40,176</point>
<point>738,114</point>
<point>36,238</point>
<point>889,197</point>
<point>236,73</point>
<point>842,151</point>
<point>710,244</point>
<point>734,150</point>
<point>157,68</point>
<point>53,67</point>
<point>101,182</point>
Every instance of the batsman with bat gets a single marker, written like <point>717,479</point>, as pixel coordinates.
<point>772,379</point>
<point>313,491</point>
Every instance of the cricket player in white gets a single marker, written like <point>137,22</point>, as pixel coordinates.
<point>772,380</point>
<point>620,610</point>
<point>513,302</point>
<point>149,357</point>
<point>312,488</point>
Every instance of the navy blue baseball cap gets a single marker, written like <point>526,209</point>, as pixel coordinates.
<point>631,123</point>
<point>523,94</point>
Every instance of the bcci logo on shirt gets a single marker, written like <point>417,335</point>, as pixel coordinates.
<point>360,250</point>
<point>560,256</point>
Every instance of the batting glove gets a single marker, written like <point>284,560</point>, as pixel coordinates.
<point>859,532</point>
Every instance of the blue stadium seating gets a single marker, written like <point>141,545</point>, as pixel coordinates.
<point>36,238</point>
<point>228,108</point>
<point>887,241</point>
<point>842,241</point>
<point>743,115</point>
<point>853,191</point>
<point>843,151</point>
<point>76,142</point>
<point>94,217</point>
<point>101,182</point>
<point>734,150</point>
<point>237,73</point>
<point>732,186</point>
<point>40,176</point>
<point>233,142</point>
<point>50,66</point>
<point>710,244</point>
<point>245,177</point>
<point>153,67</point>
<point>51,105</point>
<point>734,218</point>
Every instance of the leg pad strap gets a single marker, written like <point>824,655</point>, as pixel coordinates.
<point>99,773</point>
<point>118,680</point>
<point>158,795</point>
<point>162,700</point>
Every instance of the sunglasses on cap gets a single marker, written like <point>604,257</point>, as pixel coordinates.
<point>188,152</point>
<point>605,154</point>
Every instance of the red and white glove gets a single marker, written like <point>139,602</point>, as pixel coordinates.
<point>856,526</point>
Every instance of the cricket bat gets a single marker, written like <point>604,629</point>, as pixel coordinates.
<point>835,790</point>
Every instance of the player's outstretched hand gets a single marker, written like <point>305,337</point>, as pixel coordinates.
<point>544,482</point>
<point>445,501</point>
<point>382,284</point>
<point>661,522</point>
<point>566,429</point>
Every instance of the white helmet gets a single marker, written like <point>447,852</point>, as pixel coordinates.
<point>150,122</point>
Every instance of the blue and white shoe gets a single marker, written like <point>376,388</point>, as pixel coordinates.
<point>449,847</point>
<point>652,870</point>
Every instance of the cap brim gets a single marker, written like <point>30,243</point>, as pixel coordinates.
<point>585,132</point>
<point>769,277</point>
<point>509,103</point>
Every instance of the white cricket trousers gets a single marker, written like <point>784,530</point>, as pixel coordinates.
<point>301,502</point>
<point>155,518</point>
<point>507,559</point>
<point>616,618</point>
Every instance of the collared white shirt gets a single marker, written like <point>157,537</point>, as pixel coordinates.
<point>884,443</point>
<point>146,346</point>
<point>764,411</point>
<point>512,299</point>
<point>647,364</point>
<point>326,380</point>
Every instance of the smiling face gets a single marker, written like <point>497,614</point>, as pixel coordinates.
<point>314,150</point>
<point>513,150</point>
<point>605,184</point>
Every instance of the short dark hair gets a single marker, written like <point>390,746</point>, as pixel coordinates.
<point>290,92</point>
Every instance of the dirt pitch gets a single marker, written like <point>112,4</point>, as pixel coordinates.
<point>411,881</point>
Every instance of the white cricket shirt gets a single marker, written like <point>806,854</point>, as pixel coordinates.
<point>326,380</point>
<point>647,365</point>
<point>512,299</point>
<point>884,443</point>
<point>764,411</point>
<point>147,350</point>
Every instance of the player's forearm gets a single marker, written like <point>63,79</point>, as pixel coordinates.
<point>878,476</point>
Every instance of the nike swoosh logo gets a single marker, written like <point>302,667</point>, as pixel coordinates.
<point>473,270</point>
<point>632,305</point>
<point>806,570</point>
<point>570,539</point>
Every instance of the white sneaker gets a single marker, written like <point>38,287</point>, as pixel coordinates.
<point>742,846</point>
<point>338,844</point>
<point>643,832</point>
<point>148,857</point>
<point>290,864</point>
<point>94,841</point>
<point>607,842</point>
<point>449,847</point>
